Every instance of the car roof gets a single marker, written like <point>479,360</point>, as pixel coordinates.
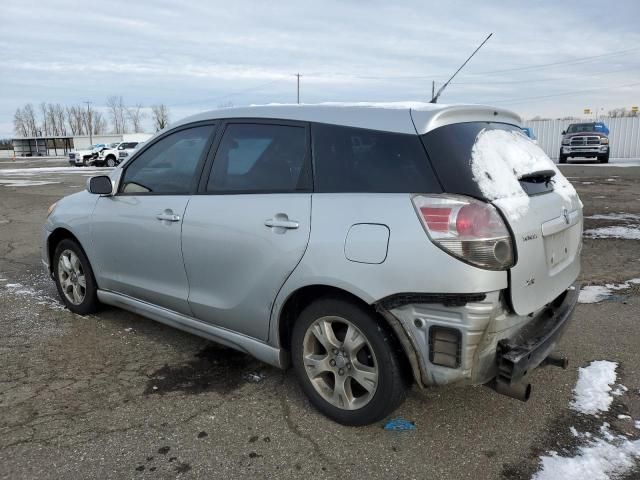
<point>400,117</point>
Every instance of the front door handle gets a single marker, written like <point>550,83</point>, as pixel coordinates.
<point>168,216</point>
<point>281,222</point>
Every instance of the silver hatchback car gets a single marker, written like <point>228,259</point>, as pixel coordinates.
<point>370,246</point>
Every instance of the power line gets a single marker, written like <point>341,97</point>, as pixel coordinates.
<point>514,101</point>
<point>494,72</point>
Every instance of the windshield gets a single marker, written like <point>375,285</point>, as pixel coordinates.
<point>581,127</point>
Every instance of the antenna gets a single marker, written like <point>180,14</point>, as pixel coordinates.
<point>437,95</point>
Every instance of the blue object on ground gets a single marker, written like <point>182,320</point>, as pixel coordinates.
<point>399,424</point>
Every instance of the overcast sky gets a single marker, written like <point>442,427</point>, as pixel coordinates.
<point>196,55</point>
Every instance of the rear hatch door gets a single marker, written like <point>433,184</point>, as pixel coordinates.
<point>495,162</point>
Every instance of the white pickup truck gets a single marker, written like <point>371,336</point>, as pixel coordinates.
<point>111,157</point>
<point>85,157</point>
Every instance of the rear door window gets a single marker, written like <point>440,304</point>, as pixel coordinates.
<point>261,158</point>
<point>350,159</point>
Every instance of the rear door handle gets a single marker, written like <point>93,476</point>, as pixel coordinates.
<point>169,217</point>
<point>281,223</point>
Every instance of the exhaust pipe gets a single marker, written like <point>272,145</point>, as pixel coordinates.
<point>519,391</point>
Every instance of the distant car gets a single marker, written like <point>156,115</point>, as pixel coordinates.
<point>111,157</point>
<point>528,131</point>
<point>84,157</point>
<point>357,243</point>
<point>585,140</point>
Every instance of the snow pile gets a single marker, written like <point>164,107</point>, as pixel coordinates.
<point>631,232</point>
<point>499,158</point>
<point>592,392</point>
<point>598,460</point>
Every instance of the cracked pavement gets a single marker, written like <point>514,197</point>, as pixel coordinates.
<point>114,395</point>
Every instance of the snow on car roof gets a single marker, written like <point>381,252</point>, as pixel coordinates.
<point>400,117</point>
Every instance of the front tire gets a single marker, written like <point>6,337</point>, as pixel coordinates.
<point>347,363</point>
<point>562,158</point>
<point>74,278</point>
<point>111,162</point>
<point>604,158</point>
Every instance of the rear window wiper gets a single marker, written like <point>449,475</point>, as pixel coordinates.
<point>539,176</point>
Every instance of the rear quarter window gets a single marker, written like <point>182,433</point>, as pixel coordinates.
<point>356,160</point>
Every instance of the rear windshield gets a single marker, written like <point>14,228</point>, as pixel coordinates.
<point>350,159</point>
<point>493,169</point>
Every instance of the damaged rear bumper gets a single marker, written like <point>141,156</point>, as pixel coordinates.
<point>534,343</point>
<point>476,341</point>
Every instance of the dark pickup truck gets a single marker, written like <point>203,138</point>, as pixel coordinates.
<point>585,140</point>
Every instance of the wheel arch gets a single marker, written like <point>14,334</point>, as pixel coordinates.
<point>303,296</point>
<point>59,234</point>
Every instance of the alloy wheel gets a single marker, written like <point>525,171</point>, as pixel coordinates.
<point>340,362</point>
<point>71,277</point>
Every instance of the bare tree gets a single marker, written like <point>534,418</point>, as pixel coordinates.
<point>76,120</point>
<point>117,111</point>
<point>29,118</point>
<point>18,124</point>
<point>99,123</point>
<point>45,125</point>
<point>160,113</point>
<point>136,115</point>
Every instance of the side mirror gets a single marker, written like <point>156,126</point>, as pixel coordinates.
<point>564,132</point>
<point>100,185</point>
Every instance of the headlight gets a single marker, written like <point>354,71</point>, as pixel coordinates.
<point>51,208</point>
<point>566,141</point>
<point>604,141</point>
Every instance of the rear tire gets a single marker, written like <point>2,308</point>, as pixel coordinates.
<point>74,278</point>
<point>347,364</point>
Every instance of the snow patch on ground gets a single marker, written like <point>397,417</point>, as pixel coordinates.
<point>499,158</point>
<point>598,293</point>
<point>8,172</point>
<point>625,217</point>
<point>40,298</point>
<point>631,232</point>
<point>592,393</point>
<point>593,294</point>
<point>597,460</point>
<point>25,183</point>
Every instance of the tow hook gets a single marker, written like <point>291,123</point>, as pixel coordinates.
<point>555,361</point>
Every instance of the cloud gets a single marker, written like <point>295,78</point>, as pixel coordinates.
<point>196,54</point>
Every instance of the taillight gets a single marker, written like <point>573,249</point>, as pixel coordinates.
<point>466,228</point>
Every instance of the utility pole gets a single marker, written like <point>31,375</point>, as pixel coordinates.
<point>89,120</point>
<point>433,88</point>
<point>298,77</point>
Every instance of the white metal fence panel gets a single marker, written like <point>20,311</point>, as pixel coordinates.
<point>624,135</point>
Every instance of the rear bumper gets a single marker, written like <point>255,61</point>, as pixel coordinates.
<point>518,356</point>
<point>487,340</point>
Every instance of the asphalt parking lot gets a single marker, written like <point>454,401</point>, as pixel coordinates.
<point>115,395</point>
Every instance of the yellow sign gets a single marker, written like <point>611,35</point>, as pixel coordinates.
<point>634,109</point>
<point>587,111</point>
